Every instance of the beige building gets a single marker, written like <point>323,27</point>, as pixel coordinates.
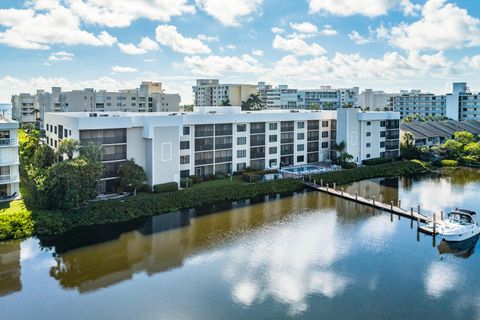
<point>210,92</point>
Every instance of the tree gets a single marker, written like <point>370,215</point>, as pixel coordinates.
<point>225,103</point>
<point>328,106</point>
<point>314,106</point>
<point>464,137</point>
<point>92,151</point>
<point>68,147</point>
<point>255,101</point>
<point>187,108</point>
<point>132,176</point>
<point>44,157</point>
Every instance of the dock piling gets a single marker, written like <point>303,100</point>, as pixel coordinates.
<point>399,204</point>
<point>356,196</point>
<point>391,205</point>
<point>334,185</point>
<point>441,215</point>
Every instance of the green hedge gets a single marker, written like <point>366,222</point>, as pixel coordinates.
<point>449,163</point>
<point>375,161</point>
<point>165,187</point>
<point>394,169</point>
<point>50,223</point>
<point>16,225</point>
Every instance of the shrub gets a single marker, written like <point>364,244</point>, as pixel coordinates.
<point>146,188</point>
<point>165,187</point>
<point>375,161</point>
<point>349,165</point>
<point>219,176</point>
<point>251,177</point>
<point>186,183</point>
<point>16,225</point>
<point>449,163</point>
<point>196,179</point>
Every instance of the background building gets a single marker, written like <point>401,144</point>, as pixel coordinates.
<point>376,100</point>
<point>370,134</point>
<point>210,92</point>
<point>463,104</point>
<point>9,174</point>
<point>282,97</point>
<point>414,102</point>
<point>328,98</point>
<point>150,97</point>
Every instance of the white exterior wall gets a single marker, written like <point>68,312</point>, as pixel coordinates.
<point>9,183</point>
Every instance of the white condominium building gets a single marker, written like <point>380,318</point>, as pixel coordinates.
<point>9,174</point>
<point>171,146</point>
<point>150,97</point>
<point>376,100</point>
<point>414,102</point>
<point>282,97</point>
<point>369,135</point>
<point>210,92</point>
<point>463,104</point>
<point>328,98</point>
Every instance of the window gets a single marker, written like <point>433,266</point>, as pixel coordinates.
<point>241,166</point>
<point>369,123</point>
<point>300,147</point>
<point>184,159</point>
<point>184,145</point>
<point>369,144</point>
<point>382,124</point>
<point>184,174</point>
<point>300,125</point>
<point>324,124</point>
<point>382,144</point>
<point>273,126</point>
<point>382,134</point>
<point>301,136</point>
<point>241,141</point>
<point>272,150</point>
<point>324,134</point>
<point>368,155</point>
<point>369,134</point>
<point>241,127</point>
<point>186,131</point>
<point>241,153</point>
<point>300,158</point>
<point>272,138</point>
<point>324,145</point>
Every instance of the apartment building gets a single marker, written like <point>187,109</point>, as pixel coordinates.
<point>6,110</point>
<point>281,97</point>
<point>414,102</point>
<point>9,161</point>
<point>263,89</point>
<point>149,97</point>
<point>462,104</point>
<point>369,135</point>
<point>376,100</point>
<point>328,98</point>
<point>210,92</point>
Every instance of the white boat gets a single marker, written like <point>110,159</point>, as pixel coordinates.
<point>460,225</point>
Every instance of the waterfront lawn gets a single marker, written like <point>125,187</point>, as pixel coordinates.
<point>51,223</point>
<point>394,169</point>
<point>16,220</point>
<point>236,180</point>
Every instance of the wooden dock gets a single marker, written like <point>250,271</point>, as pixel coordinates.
<point>416,216</point>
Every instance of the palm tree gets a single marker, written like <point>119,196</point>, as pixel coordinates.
<point>68,147</point>
<point>226,103</point>
<point>255,101</point>
<point>92,151</point>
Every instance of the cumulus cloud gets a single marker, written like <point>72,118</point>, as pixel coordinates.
<point>31,29</point>
<point>277,30</point>
<point>120,69</point>
<point>328,30</point>
<point>61,56</point>
<point>168,35</point>
<point>370,8</point>
<point>297,46</point>
<point>145,45</point>
<point>358,38</point>
<point>304,27</point>
<point>217,65</point>
<point>203,37</point>
<point>229,13</point>
<point>257,53</point>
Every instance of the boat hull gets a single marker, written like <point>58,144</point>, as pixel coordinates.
<point>467,234</point>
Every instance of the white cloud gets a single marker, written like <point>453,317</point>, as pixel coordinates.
<point>168,36</point>
<point>410,9</point>
<point>31,29</point>
<point>61,56</point>
<point>257,53</point>
<point>229,13</point>
<point>278,30</point>
<point>121,69</point>
<point>328,30</point>
<point>370,8</point>
<point>304,27</point>
<point>217,65</point>
<point>358,39</point>
<point>121,13</point>
<point>297,46</point>
<point>145,45</point>
<point>203,37</point>
<point>441,26</point>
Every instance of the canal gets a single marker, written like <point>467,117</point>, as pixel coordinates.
<point>308,256</point>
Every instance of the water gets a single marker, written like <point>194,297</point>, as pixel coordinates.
<point>310,256</point>
<point>305,169</point>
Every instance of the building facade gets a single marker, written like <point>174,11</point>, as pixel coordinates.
<point>210,92</point>
<point>462,104</point>
<point>328,98</point>
<point>282,97</point>
<point>9,161</point>
<point>376,100</point>
<point>414,102</point>
<point>149,97</point>
<point>369,135</point>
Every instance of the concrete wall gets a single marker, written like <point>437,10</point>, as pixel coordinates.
<point>166,154</point>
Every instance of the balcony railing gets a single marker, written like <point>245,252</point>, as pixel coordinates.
<point>8,142</point>
<point>8,177</point>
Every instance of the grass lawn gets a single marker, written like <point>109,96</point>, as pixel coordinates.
<point>236,180</point>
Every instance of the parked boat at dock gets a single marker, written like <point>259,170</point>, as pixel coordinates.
<point>460,225</point>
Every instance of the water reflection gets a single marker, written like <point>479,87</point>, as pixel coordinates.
<point>462,249</point>
<point>10,268</point>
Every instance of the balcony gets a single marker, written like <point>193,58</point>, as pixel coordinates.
<point>8,142</point>
<point>9,178</point>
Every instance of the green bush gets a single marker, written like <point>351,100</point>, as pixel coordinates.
<point>449,163</point>
<point>251,177</point>
<point>146,188</point>
<point>394,169</point>
<point>196,179</point>
<point>50,223</point>
<point>349,165</point>
<point>16,225</point>
<point>165,187</point>
<point>375,161</point>
<point>186,183</point>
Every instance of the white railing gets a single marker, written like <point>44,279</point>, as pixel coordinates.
<point>8,142</point>
<point>8,177</point>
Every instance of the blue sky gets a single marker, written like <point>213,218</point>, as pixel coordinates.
<point>113,44</point>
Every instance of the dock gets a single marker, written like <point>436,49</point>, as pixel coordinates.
<point>415,216</point>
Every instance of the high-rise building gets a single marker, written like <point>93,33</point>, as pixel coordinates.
<point>414,102</point>
<point>282,97</point>
<point>150,97</point>
<point>9,174</point>
<point>463,104</point>
<point>210,92</point>
<point>328,98</point>
<point>376,100</point>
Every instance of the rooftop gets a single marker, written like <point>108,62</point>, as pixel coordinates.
<point>447,128</point>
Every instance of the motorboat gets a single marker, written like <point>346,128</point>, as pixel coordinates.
<point>459,226</point>
<point>462,249</point>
